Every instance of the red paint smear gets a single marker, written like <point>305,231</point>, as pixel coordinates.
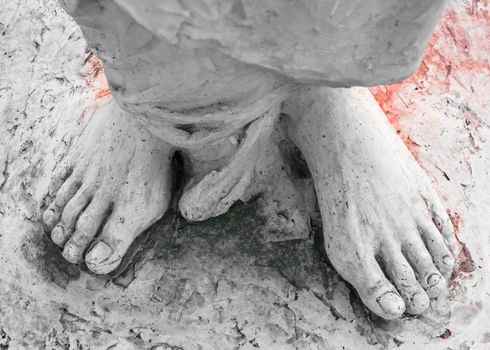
<point>96,81</point>
<point>464,261</point>
<point>456,220</point>
<point>102,93</point>
<point>455,55</point>
<point>386,97</point>
<point>81,116</point>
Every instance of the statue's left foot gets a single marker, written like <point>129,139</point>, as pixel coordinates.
<point>386,231</point>
<point>113,184</point>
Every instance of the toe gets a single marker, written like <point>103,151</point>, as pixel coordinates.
<point>390,301</point>
<point>120,230</point>
<point>441,219</point>
<point>52,215</point>
<point>100,258</point>
<point>382,298</point>
<point>58,236</point>
<point>63,171</point>
<point>87,226</point>
<point>71,212</point>
<point>441,255</point>
<point>427,274</point>
<point>376,292</point>
<point>401,274</point>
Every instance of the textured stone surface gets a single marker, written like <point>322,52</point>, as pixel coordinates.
<point>235,281</point>
<point>344,43</point>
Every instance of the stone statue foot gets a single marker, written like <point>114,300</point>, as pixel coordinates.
<point>114,183</point>
<point>386,231</point>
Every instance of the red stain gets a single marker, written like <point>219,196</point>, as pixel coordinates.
<point>464,261</point>
<point>81,116</point>
<point>96,82</point>
<point>102,93</point>
<point>455,220</point>
<point>389,99</point>
<point>458,52</point>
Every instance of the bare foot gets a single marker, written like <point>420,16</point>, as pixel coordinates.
<point>386,231</point>
<point>114,183</point>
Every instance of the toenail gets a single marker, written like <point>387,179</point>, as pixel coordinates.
<point>57,235</point>
<point>99,253</point>
<point>434,279</point>
<point>391,303</point>
<point>71,253</point>
<point>448,260</point>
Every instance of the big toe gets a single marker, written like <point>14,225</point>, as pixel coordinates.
<point>121,229</point>
<point>98,259</point>
<point>389,300</point>
<point>376,292</point>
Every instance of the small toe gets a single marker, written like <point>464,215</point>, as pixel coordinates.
<point>72,252</point>
<point>427,274</point>
<point>401,274</point>
<point>63,171</point>
<point>63,231</point>
<point>441,219</point>
<point>58,236</point>
<point>74,208</point>
<point>52,215</point>
<point>419,302</point>
<point>441,255</point>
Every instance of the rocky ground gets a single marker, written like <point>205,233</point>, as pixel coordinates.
<point>236,281</point>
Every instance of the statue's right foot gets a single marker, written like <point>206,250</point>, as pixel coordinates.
<point>114,183</point>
